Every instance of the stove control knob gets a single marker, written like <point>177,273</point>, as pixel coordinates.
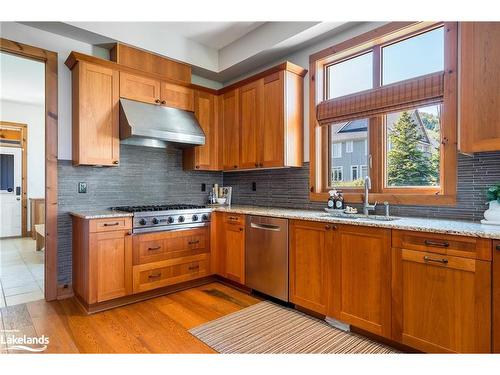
<point>195,218</point>
<point>170,220</point>
<point>155,221</point>
<point>142,221</point>
<point>204,217</point>
<point>180,219</point>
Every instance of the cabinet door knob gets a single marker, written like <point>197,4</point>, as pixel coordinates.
<point>327,227</point>
<point>163,102</point>
<point>235,166</point>
<point>157,101</point>
<point>197,167</point>
<point>115,161</point>
<point>256,164</point>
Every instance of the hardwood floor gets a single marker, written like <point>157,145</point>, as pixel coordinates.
<point>159,325</point>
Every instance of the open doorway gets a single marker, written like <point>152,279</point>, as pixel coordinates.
<point>22,179</point>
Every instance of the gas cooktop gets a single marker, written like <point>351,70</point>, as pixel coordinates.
<point>162,217</point>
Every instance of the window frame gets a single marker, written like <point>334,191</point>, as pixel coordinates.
<point>320,136</point>
<point>349,145</point>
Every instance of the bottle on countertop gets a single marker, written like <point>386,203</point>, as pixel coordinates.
<point>339,201</point>
<point>331,199</point>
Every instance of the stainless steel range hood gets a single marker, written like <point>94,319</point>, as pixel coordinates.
<point>152,125</point>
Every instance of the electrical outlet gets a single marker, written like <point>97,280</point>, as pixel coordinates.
<point>82,187</point>
<point>254,186</point>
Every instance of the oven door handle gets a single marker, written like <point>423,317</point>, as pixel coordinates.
<point>273,228</point>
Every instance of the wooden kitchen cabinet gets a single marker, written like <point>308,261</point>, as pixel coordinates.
<point>361,278</point>
<point>234,245</point>
<point>251,121</point>
<point>140,88</point>
<point>310,251</point>
<point>442,302</point>
<point>102,259</point>
<point>177,96</point>
<point>479,99</point>
<point>95,91</point>
<point>208,156</point>
<point>230,124</point>
<point>496,296</point>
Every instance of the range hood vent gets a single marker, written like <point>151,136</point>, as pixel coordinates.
<point>152,125</point>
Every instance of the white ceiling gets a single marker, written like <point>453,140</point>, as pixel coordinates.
<point>211,34</point>
<point>21,79</point>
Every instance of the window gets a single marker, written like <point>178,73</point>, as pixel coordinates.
<point>337,150</point>
<point>7,172</point>
<point>354,172</point>
<point>348,147</point>
<point>350,76</point>
<point>384,127</point>
<point>337,174</point>
<point>413,57</point>
<point>414,137</point>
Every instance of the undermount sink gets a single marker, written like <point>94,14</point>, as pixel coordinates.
<point>381,218</point>
<point>342,215</point>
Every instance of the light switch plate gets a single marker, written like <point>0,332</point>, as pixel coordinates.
<point>82,187</point>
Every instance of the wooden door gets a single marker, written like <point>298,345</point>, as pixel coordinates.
<point>142,89</point>
<point>177,96</point>
<point>234,244</point>
<point>251,118</point>
<point>95,115</point>
<point>479,86</point>
<point>204,157</point>
<point>230,130</point>
<point>111,265</point>
<point>442,303</point>
<point>361,278</point>
<point>272,135</point>
<point>309,248</point>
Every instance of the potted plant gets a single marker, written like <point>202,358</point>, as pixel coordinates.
<point>493,213</point>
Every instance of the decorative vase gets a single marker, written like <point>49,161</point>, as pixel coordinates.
<point>493,213</point>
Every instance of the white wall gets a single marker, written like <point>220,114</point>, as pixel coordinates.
<point>301,58</point>
<point>63,46</point>
<point>33,115</point>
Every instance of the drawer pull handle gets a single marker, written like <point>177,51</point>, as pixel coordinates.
<point>193,242</point>
<point>191,268</point>
<point>436,243</point>
<point>154,276</point>
<point>111,224</point>
<point>234,218</point>
<point>429,259</point>
<point>154,248</point>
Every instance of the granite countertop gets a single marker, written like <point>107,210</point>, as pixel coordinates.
<point>99,214</point>
<point>456,227</point>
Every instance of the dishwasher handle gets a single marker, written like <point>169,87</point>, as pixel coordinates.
<point>274,228</point>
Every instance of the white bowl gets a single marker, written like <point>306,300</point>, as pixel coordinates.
<point>221,200</point>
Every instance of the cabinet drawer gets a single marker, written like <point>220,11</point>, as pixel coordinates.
<point>173,271</point>
<point>155,247</point>
<point>445,244</point>
<point>111,224</point>
<point>234,218</point>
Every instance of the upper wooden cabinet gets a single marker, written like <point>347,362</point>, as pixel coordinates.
<point>208,156</point>
<point>150,63</point>
<point>95,106</point>
<point>251,121</point>
<point>310,252</point>
<point>142,89</point>
<point>230,125</point>
<point>177,96</point>
<point>361,278</point>
<point>479,103</point>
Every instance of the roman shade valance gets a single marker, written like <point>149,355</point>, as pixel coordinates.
<point>421,91</point>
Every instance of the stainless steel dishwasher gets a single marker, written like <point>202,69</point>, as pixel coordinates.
<point>266,256</point>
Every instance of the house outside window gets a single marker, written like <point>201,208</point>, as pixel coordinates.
<point>337,150</point>
<point>348,146</point>
<point>354,172</point>
<point>337,174</point>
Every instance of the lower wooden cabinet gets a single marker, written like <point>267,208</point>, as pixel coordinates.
<point>310,247</point>
<point>234,245</point>
<point>102,259</point>
<point>496,296</point>
<point>360,282</point>
<point>442,303</point>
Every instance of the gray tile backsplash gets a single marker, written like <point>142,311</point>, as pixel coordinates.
<point>149,176</point>
<point>144,176</point>
<point>290,188</point>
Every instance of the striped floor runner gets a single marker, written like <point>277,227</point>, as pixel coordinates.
<point>270,328</point>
